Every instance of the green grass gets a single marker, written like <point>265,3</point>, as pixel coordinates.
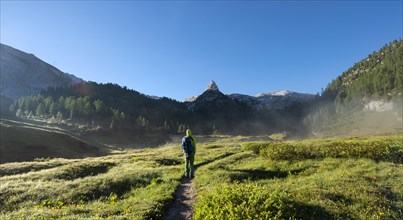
<point>21,141</point>
<point>380,148</point>
<point>343,178</point>
<point>118,185</point>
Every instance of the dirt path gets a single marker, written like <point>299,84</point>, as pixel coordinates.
<point>184,199</point>
<point>182,207</point>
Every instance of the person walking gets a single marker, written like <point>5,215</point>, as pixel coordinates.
<point>189,150</point>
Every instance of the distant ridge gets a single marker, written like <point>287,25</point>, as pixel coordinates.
<point>24,74</point>
<point>273,100</point>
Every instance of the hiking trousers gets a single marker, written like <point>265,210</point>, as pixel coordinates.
<point>189,164</point>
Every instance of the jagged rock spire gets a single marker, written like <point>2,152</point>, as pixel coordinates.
<point>212,86</point>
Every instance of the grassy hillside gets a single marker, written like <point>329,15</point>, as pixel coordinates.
<point>23,141</point>
<point>350,178</point>
<point>27,140</point>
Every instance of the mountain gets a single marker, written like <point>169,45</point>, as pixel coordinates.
<point>24,74</point>
<point>274,100</point>
<point>365,99</point>
<point>376,77</point>
<point>211,99</point>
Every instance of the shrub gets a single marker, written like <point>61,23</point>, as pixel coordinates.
<point>378,149</point>
<point>252,201</point>
<point>255,147</point>
<point>244,201</point>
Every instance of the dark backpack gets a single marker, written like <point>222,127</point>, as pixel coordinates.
<point>187,145</point>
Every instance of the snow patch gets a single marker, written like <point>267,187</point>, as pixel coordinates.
<point>277,93</point>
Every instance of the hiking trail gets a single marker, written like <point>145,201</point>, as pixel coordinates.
<point>182,207</point>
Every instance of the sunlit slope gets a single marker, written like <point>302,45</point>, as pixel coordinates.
<point>24,142</point>
<point>339,178</point>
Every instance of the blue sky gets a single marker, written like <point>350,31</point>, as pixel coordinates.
<point>174,48</point>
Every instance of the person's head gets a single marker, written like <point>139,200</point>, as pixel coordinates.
<point>188,132</point>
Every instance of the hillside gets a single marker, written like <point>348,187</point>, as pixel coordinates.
<point>365,99</point>
<point>24,74</point>
<point>26,141</point>
<point>378,76</point>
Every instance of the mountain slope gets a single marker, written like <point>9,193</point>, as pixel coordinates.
<point>23,141</point>
<point>378,76</point>
<point>24,74</point>
<point>366,99</point>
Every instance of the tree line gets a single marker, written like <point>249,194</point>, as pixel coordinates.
<point>102,105</point>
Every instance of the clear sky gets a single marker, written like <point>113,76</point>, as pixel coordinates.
<point>174,48</point>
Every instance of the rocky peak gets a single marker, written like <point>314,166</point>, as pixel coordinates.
<point>212,86</point>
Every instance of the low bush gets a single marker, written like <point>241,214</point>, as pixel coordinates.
<point>376,148</point>
<point>242,201</point>
<point>250,201</point>
<point>255,147</point>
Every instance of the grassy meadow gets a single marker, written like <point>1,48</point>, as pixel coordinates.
<point>236,178</point>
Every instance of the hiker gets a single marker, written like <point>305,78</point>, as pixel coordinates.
<point>189,150</point>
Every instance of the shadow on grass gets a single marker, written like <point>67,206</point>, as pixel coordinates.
<point>339,198</point>
<point>102,188</point>
<point>258,174</point>
<point>212,160</point>
<point>82,170</point>
<point>168,162</point>
<point>308,211</point>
